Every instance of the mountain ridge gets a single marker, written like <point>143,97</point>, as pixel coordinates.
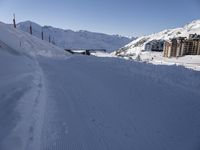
<point>82,39</point>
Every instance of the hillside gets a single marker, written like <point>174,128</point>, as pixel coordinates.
<point>137,47</point>
<point>23,42</point>
<point>69,39</point>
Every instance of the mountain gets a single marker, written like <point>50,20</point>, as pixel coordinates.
<point>69,39</point>
<point>137,46</point>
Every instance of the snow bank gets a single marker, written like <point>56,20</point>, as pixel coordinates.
<point>25,43</point>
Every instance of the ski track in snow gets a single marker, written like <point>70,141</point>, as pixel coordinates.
<point>21,102</point>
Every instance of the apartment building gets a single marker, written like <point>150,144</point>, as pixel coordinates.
<point>181,46</point>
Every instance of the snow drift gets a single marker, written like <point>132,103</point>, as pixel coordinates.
<point>26,43</point>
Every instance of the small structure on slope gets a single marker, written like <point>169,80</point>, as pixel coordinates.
<point>155,45</point>
<point>85,51</point>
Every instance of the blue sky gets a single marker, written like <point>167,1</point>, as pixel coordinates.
<point>124,17</point>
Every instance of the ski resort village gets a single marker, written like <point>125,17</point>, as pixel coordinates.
<point>71,89</point>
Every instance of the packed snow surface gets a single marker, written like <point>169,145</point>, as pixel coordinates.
<point>96,103</point>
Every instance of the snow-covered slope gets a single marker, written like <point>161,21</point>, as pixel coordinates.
<point>90,103</point>
<point>69,39</point>
<point>25,43</point>
<point>136,46</point>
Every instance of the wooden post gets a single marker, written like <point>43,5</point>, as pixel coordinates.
<point>42,34</point>
<point>31,32</point>
<point>14,22</point>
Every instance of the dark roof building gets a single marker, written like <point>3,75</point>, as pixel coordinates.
<point>155,45</point>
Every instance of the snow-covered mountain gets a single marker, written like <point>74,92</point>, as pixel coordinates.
<point>69,39</point>
<point>22,42</point>
<point>137,46</point>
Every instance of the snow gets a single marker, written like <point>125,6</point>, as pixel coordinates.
<point>97,103</point>
<point>102,54</point>
<point>189,61</point>
<point>25,43</point>
<point>93,103</point>
<point>68,39</point>
<point>193,27</point>
<point>137,47</point>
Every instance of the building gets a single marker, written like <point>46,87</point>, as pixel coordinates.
<point>198,52</point>
<point>181,46</point>
<point>194,36</point>
<point>174,47</point>
<point>155,45</point>
<point>167,48</point>
<point>189,48</point>
<point>192,45</point>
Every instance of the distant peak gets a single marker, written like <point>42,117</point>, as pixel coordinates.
<point>28,23</point>
<point>192,24</point>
